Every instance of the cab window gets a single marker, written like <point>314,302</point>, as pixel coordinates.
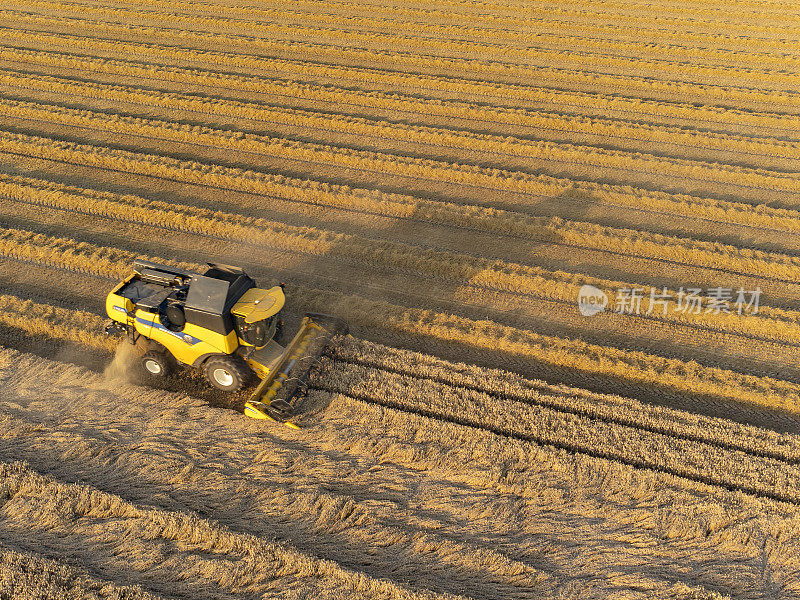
<point>258,333</point>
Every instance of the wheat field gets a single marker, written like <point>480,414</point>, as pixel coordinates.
<point>447,176</point>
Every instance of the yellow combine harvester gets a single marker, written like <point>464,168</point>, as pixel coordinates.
<point>221,323</point>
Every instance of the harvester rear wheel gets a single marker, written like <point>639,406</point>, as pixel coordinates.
<point>226,373</point>
<point>156,364</point>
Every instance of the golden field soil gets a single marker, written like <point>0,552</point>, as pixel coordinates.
<point>445,175</point>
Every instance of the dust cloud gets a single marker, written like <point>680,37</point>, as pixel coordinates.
<point>121,368</point>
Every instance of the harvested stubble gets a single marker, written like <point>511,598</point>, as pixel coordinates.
<point>436,53</point>
<point>52,321</point>
<point>419,169</point>
<point>31,576</point>
<point>712,116</point>
<point>630,242</point>
<point>398,205</point>
<point>604,407</point>
<point>208,554</point>
<point>405,503</point>
<point>68,254</point>
<point>643,19</point>
<point>456,478</point>
<point>736,97</point>
<point>739,10</point>
<point>262,31</point>
<point>331,517</point>
<point>692,459</point>
<point>633,367</point>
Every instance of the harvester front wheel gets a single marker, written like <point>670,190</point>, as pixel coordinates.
<point>226,373</point>
<point>156,364</point>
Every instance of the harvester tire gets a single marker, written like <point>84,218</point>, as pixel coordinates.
<point>226,373</point>
<point>156,364</point>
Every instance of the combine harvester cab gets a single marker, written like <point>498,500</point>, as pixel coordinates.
<point>222,323</point>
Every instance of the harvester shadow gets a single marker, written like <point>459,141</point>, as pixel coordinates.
<point>347,287</point>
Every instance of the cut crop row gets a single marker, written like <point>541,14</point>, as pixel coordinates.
<point>436,138</point>
<point>725,95</point>
<point>390,447</point>
<point>446,47</point>
<point>206,554</point>
<point>642,110</point>
<point>730,9</point>
<point>465,270</point>
<point>508,386</point>
<point>686,458</point>
<point>26,574</point>
<point>398,206</point>
<point>74,326</point>
<point>651,19</point>
<point>744,181</point>
<point>498,25</point>
<point>756,25</point>
<point>264,506</point>
<point>604,361</point>
<point>497,21</point>
<point>456,35</point>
